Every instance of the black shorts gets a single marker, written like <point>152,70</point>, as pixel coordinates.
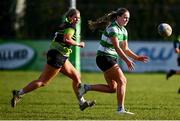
<point>55,58</point>
<point>178,61</point>
<point>105,62</point>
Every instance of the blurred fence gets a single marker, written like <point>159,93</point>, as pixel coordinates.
<point>31,55</point>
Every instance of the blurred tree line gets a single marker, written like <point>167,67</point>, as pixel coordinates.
<point>40,18</point>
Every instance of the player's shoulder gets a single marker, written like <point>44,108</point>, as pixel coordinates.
<point>112,27</point>
<point>69,25</point>
<point>124,30</point>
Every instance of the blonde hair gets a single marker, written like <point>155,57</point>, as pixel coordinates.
<point>106,19</point>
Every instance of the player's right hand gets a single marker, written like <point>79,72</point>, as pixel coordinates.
<point>130,65</point>
<point>81,44</point>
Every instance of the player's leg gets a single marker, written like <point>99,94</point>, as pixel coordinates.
<point>104,63</point>
<point>170,73</point>
<point>116,82</point>
<point>54,63</point>
<point>69,70</point>
<point>121,84</point>
<point>110,87</point>
<point>115,73</point>
<point>48,74</point>
<point>178,72</point>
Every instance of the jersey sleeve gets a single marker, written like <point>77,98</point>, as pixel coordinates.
<point>69,31</point>
<point>112,32</point>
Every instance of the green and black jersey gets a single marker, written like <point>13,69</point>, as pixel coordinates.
<point>58,42</point>
<point>176,43</point>
<point>113,30</point>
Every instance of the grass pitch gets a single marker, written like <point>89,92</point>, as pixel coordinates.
<point>150,96</point>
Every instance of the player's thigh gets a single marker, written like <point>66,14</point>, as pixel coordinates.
<point>48,73</point>
<point>69,70</point>
<point>114,74</point>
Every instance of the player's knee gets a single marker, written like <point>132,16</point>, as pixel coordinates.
<point>76,77</point>
<point>123,80</point>
<point>113,89</point>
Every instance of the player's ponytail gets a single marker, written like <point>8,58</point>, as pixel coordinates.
<point>102,21</point>
<point>106,19</point>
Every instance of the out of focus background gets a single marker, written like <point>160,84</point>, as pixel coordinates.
<point>27,27</point>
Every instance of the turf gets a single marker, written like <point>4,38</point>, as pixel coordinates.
<point>150,96</point>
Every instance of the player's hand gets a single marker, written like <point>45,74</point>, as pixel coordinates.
<point>177,50</point>
<point>81,44</point>
<point>130,65</point>
<point>143,58</point>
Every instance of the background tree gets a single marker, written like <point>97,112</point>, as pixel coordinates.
<point>7,16</point>
<point>42,17</point>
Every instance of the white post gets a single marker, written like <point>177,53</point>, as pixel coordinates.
<point>72,3</point>
<point>20,6</point>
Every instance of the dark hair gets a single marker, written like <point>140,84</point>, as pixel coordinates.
<point>106,19</point>
<point>71,12</point>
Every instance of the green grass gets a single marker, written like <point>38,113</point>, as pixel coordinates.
<point>149,96</point>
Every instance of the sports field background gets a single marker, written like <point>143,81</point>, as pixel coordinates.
<point>150,96</point>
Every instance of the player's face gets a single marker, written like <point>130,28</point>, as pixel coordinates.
<point>75,18</point>
<point>124,19</point>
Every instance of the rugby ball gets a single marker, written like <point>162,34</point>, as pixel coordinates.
<point>164,30</point>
